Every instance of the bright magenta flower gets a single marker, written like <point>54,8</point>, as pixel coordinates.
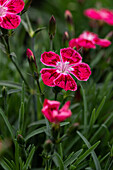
<point>51,111</point>
<point>8,11</point>
<point>70,62</point>
<point>105,15</point>
<point>88,40</point>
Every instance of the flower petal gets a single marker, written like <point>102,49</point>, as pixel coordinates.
<point>50,58</point>
<point>63,115</point>
<point>86,43</point>
<point>65,107</point>
<point>66,82</point>
<point>15,6</point>
<point>52,103</point>
<point>10,21</point>
<point>48,76</point>
<point>103,42</point>
<point>92,13</point>
<point>81,71</point>
<point>2,2</point>
<point>74,43</point>
<point>70,55</point>
<point>47,113</point>
<point>50,109</point>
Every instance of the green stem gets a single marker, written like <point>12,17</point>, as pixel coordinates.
<point>51,44</point>
<point>34,96</point>
<point>6,43</point>
<point>18,69</point>
<point>56,95</point>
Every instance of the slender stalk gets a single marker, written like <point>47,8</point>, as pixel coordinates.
<point>56,95</point>
<point>6,43</point>
<point>34,96</point>
<point>51,44</point>
<point>18,69</point>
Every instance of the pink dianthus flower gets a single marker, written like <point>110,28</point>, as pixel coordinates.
<point>8,11</point>
<point>70,62</point>
<point>51,111</point>
<point>103,14</point>
<point>88,40</point>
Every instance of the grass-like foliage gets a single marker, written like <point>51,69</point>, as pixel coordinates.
<point>56,95</point>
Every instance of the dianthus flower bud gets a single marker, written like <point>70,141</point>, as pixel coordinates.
<point>20,139</point>
<point>4,92</point>
<point>52,27</point>
<point>47,145</point>
<point>109,36</point>
<point>32,62</point>
<point>68,17</point>
<point>72,129</point>
<point>65,38</point>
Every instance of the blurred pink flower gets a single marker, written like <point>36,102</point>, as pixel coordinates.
<point>51,111</point>
<point>70,62</point>
<point>105,15</point>
<point>8,11</point>
<point>88,40</point>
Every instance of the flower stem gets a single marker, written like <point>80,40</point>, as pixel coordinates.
<point>6,43</point>
<point>18,69</point>
<point>56,95</point>
<point>51,44</point>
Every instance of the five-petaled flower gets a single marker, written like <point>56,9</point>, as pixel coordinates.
<point>88,40</point>
<point>51,111</point>
<point>105,15</point>
<point>70,62</point>
<point>8,11</point>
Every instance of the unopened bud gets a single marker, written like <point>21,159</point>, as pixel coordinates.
<point>55,131</point>
<point>65,38</point>
<point>48,145</point>
<point>52,27</point>
<point>20,139</point>
<point>73,129</point>
<point>4,92</point>
<point>32,61</point>
<point>68,17</point>
<point>109,36</point>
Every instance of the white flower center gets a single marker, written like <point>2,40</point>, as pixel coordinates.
<point>63,67</point>
<point>88,36</point>
<point>3,11</point>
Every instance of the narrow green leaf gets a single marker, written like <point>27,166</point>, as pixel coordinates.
<point>58,161</point>
<point>23,92</point>
<point>11,92</point>
<point>7,123</point>
<point>92,119</point>
<point>35,132</point>
<point>85,108</point>
<point>61,151</point>
<point>71,159</point>
<point>64,123</point>
<point>100,108</point>
<point>29,159</point>
<point>9,163</point>
<point>97,164</point>
<point>10,84</point>
<point>21,117</point>
<point>97,59</point>
<point>4,165</point>
<point>82,157</point>
<point>39,122</point>
<point>101,127</point>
